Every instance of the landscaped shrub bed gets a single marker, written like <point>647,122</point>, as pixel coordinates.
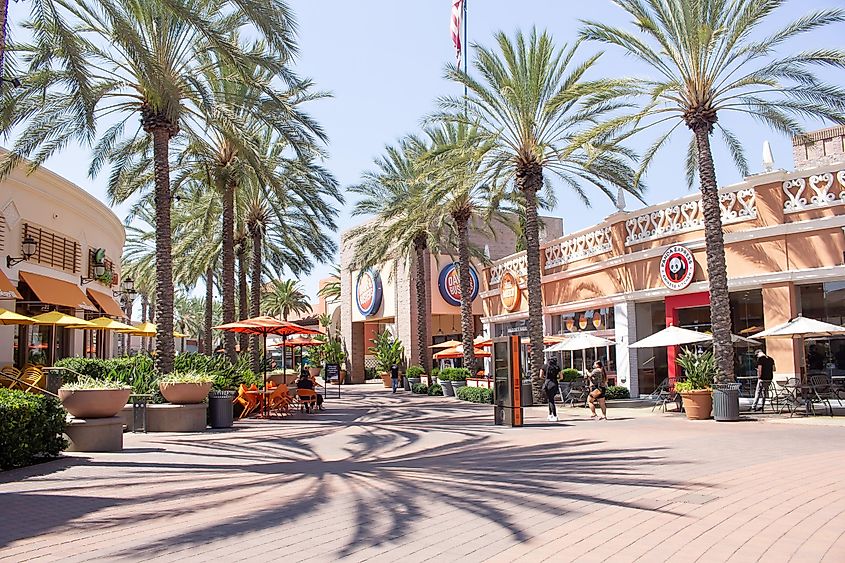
<point>454,374</point>
<point>31,428</point>
<point>569,375</point>
<point>618,392</point>
<point>414,371</point>
<point>435,390</point>
<point>420,389</point>
<point>475,395</point>
<point>139,371</point>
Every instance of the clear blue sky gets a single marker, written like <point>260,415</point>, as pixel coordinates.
<point>383,62</point>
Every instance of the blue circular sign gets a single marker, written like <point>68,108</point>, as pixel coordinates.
<point>368,292</point>
<point>449,284</point>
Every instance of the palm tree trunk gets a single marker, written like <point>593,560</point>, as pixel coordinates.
<point>720,306</point>
<point>164,258</point>
<point>256,293</point>
<point>243,302</point>
<point>209,310</point>
<point>467,325</point>
<point>529,180</point>
<point>229,268</point>
<point>420,245</point>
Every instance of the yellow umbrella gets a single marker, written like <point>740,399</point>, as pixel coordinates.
<point>179,335</point>
<point>105,323</point>
<point>143,329</point>
<point>57,318</point>
<point>11,318</point>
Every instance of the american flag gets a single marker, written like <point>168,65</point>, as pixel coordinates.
<point>457,15</point>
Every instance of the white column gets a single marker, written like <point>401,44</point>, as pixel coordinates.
<point>7,335</point>
<point>625,320</point>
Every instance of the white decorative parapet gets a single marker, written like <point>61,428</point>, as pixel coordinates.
<point>577,247</point>
<point>820,188</point>
<point>737,206</point>
<point>518,265</point>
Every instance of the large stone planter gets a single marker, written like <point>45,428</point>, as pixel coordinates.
<point>95,434</point>
<point>314,372</point>
<point>446,385</point>
<point>457,385</point>
<point>185,393</point>
<point>698,404</point>
<point>385,378</point>
<point>176,418</point>
<point>94,403</point>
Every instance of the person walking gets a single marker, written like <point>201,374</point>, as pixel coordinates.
<point>765,374</point>
<point>550,386</point>
<point>598,390</point>
<point>394,376</point>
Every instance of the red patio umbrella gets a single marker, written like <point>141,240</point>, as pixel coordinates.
<point>265,325</point>
<point>301,342</point>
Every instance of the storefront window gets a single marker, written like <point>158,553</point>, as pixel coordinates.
<point>38,345</point>
<point>599,319</point>
<point>824,302</point>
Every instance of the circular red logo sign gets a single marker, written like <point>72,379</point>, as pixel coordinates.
<point>677,267</point>
<point>449,283</point>
<point>368,292</point>
<point>509,291</point>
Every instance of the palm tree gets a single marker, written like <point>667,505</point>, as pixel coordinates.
<point>709,58</point>
<point>463,200</point>
<point>394,193</point>
<point>532,100</point>
<point>331,290</point>
<point>284,297</point>
<point>136,59</point>
<point>189,315</point>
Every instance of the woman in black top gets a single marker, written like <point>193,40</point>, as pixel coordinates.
<point>550,386</point>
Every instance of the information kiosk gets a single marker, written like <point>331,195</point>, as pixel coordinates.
<point>507,389</point>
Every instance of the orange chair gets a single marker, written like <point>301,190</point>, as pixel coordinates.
<point>280,400</point>
<point>33,379</point>
<point>246,400</point>
<point>9,381</point>
<point>307,399</point>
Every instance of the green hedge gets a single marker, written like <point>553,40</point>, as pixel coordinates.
<point>435,390</point>
<point>618,392</point>
<point>569,375</point>
<point>475,395</point>
<point>454,374</point>
<point>414,371</point>
<point>420,389</point>
<point>31,428</point>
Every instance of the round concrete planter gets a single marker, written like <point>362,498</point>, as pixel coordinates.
<point>446,385</point>
<point>314,372</point>
<point>94,403</point>
<point>457,384</point>
<point>385,378</point>
<point>185,393</point>
<point>698,404</point>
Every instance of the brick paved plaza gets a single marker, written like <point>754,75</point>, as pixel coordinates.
<point>379,477</point>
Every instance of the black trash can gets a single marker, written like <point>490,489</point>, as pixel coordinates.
<point>220,408</point>
<point>726,402</point>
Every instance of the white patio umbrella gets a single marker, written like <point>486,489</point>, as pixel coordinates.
<point>802,327</point>
<point>672,336</point>
<point>580,341</point>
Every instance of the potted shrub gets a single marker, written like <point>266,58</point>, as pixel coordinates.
<point>388,351</point>
<point>414,375</point>
<point>333,353</point>
<point>700,370</point>
<point>432,377</point>
<point>94,398</point>
<point>457,378</point>
<point>445,381</point>
<point>314,358</point>
<point>185,388</point>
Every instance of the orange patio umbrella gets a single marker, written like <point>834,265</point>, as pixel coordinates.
<point>457,352</point>
<point>301,342</point>
<point>265,325</point>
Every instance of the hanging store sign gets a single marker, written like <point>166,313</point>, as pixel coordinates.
<point>449,284</point>
<point>677,267</point>
<point>509,291</point>
<point>368,292</point>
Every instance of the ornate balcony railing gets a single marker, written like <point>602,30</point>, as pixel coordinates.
<point>737,206</point>
<point>578,247</point>
<point>518,265</point>
<point>819,190</point>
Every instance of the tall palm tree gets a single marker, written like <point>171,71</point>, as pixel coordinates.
<point>532,100</point>
<point>708,58</point>
<point>331,290</point>
<point>136,59</point>
<point>189,315</point>
<point>284,297</point>
<point>464,201</point>
<point>394,194</point>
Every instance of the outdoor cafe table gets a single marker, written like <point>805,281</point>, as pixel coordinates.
<point>799,392</point>
<point>263,393</point>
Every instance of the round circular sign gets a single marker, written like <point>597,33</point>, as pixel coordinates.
<point>677,267</point>
<point>509,291</point>
<point>368,292</point>
<point>449,283</point>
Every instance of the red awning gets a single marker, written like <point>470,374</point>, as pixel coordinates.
<point>7,290</point>
<point>106,303</point>
<point>57,292</point>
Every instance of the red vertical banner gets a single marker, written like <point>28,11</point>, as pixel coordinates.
<point>455,28</point>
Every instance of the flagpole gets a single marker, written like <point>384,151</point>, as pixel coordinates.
<point>466,48</point>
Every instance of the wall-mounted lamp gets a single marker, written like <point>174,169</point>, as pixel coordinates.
<point>99,270</point>
<point>29,247</point>
<point>127,288</point>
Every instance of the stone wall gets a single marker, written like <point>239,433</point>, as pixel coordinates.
<point>819,148</point>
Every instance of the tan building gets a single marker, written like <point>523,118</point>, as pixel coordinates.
<point>385,299</point>
<point>638,271</point>
<point>69,230</point>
